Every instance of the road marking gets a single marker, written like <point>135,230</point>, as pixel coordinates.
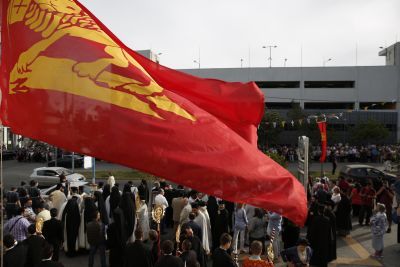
<point>361,262</point>
<point>364,255</point>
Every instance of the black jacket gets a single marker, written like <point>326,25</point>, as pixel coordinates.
<point>15,257</point>
<point>34,245</point>
<point>50,264</point>
<point>137,255</point>
<point>221,258</point>
<point>197,231</point>
<point>169,261</point>
<point>53,231</point>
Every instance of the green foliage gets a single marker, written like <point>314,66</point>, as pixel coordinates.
<point>368,132</point>
<point>277,158</point>
<point>296,113</point>
<point>267,134</point>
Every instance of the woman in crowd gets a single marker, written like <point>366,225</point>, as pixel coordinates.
<point>257,228</point>
<point>356,201</point>
<point>378,228</point>
<point>239,228</point>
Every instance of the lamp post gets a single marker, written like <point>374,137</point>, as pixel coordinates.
<point>241,63</point>
<point>326,61</point>
<point>270,53</point>
<point>197,62</point>
<point>157,57</point>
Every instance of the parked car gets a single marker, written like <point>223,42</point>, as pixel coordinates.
<point>66,161</point>
<point>49,176</point>
<point>45,192</point>
<point>365,173</point>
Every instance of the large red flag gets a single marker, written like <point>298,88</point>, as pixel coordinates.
<point>69,81</point>
<point>322,130</point>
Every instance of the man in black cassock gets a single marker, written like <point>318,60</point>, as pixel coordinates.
<point>230,207</point>
<point>101,206</point>
<point>128,207</point>
<point>197,246</point>
<point>71,220</point>
<point>34,245</point>
<point>320,238</point>
<point>116,238</point>
<point>137,254</point>
<point>290,233</point>
<point>343,216</point>
<point>212,208</point>
<point>332,221</point>
<point>54,233</point>
<point>221,224</point>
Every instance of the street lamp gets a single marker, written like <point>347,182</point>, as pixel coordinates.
<point>197,62</point>
<point>158,57</point>
<point>270,53</point>
<point>326,61</point>
<point>241,62</point>
<point>284,62</point>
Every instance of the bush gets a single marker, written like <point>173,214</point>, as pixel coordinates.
<point>277,158</point>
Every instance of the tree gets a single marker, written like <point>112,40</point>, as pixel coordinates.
<point>268,134</point>
<point>296,113</point>
<point>277,158</point>
<point>368,132</point>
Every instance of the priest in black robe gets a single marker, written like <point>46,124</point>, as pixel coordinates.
<point>128,208</point>
<point>332,222</point>
<point>137,254</point>
<point>212,209</point>
<point>320,237</point>
<point>197,246</point>
<point>290,233</point>
<point>71,219</point>
<point>117,237</point>
<point>343,216</point>
<point>221,224</point>
<point>101,207</point>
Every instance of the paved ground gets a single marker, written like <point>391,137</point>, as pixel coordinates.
<point>352,251</point>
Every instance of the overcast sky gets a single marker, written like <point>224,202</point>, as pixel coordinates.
<point>226,31</point>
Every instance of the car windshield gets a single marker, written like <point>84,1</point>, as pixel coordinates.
<point>65,171</point>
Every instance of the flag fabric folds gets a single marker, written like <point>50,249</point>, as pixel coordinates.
<point>68,81</point>
<point>322,130</point>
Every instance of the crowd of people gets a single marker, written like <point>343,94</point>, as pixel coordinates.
<point>344,153</point>
<point>196,230</point>
<point>372,204</point>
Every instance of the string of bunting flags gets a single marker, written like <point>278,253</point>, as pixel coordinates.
<point>318,117</point>
<point>309,119</point>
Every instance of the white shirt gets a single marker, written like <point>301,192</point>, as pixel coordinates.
<point>161,200</point>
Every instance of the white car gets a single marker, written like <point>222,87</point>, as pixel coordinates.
<point>48,176</point>
<point>45,193</point>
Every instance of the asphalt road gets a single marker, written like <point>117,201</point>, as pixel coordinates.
<point>14,172</point>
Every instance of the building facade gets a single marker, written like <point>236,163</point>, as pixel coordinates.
<point>357,93</point>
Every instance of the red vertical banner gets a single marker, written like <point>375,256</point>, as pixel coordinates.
<point>322,130</point>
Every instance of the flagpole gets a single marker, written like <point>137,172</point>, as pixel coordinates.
<point>2,192</point>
